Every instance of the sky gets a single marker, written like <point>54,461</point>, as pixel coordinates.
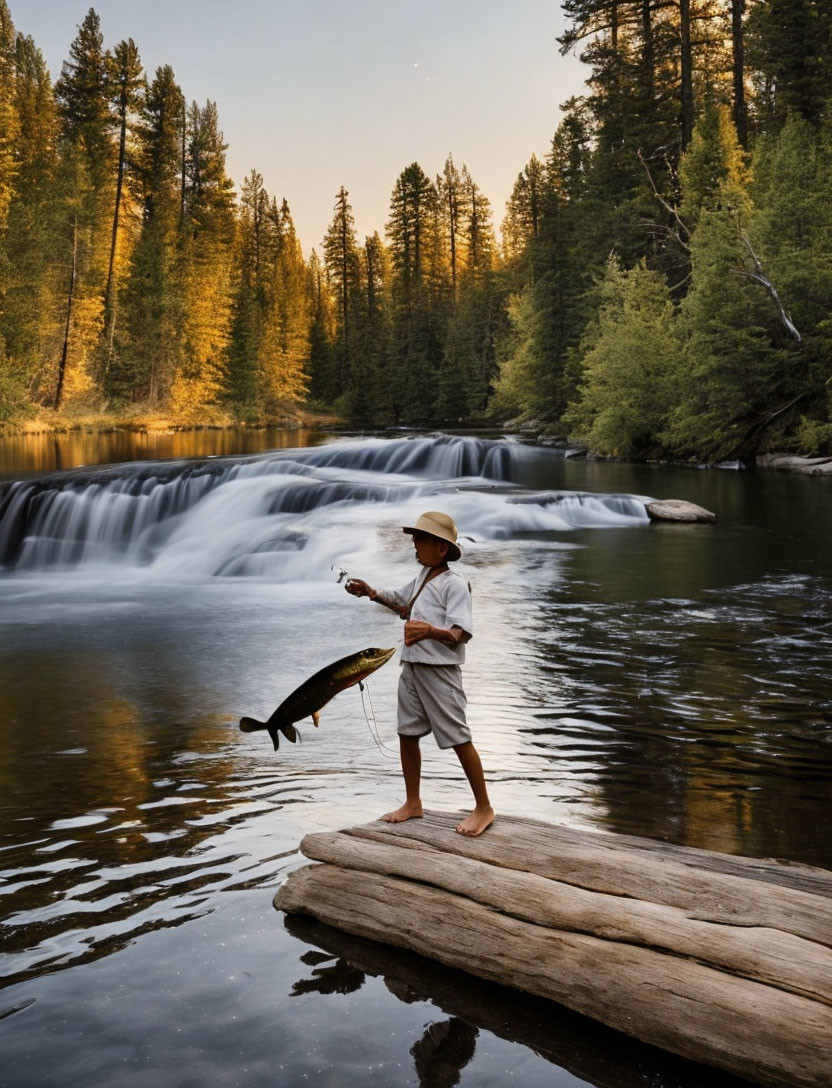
<point>316,94</point>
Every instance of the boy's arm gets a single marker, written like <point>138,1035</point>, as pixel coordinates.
<point>417,630</point>
<point>359,588</point>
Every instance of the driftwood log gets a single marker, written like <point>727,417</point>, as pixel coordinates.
<point>720,959</point>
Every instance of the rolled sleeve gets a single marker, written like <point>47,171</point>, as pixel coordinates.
<point>398,597</point>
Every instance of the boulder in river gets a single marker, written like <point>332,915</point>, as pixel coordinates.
<point>677,510</point>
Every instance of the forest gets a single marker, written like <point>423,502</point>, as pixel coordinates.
<point>661,287</point>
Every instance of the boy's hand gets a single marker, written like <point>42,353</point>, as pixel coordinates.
<point>415,631</point>
<point>358,588</point>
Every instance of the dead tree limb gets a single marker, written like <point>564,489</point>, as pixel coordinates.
<point>760,277</point>
<point>680,224</point>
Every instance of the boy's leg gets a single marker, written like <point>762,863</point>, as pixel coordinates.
<point>483,814</point>
<point>411,757</point>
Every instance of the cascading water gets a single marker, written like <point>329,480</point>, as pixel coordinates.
<point>284,516</point>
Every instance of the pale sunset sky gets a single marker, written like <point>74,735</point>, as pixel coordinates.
<point>316,94</point>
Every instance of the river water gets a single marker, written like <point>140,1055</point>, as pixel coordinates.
<point>665,681</point>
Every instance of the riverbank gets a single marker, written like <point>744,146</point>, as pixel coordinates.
<point>536,431</point>
<point>139,421</point>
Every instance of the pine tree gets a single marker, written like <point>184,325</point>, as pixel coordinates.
<point>371,394</point>
<point>733,358</point>
<point>207,239</point>
<point>469,367</point>
<point>286,344</point>
<point>29,322</point>
<point>9,120</point>
<point>790,49</point>
<point>524,211</point>
<point>713,161</point>
<point>244,380</point>
<point>125,80</point>
<point>85,196</point>
<point>791,229</point>
<point>321,358</point>
<point>629,361</point>
<point>340,249</point>
<point>150,346</point>
<point>418,316</point>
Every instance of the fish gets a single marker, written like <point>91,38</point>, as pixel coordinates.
<point>308,700</point>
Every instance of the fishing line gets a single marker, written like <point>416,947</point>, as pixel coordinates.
<point>374,729</point>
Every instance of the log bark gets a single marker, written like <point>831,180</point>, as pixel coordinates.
<point>720,959</point>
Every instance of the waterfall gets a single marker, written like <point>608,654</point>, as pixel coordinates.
<point>280,515</point>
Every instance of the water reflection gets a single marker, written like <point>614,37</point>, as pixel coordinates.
<point>469,1006</point>
<point>24,454</point>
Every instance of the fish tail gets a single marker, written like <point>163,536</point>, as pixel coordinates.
<point>251,725</point>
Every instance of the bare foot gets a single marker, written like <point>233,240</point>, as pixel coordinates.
<point>477,822</point>
<point>408,811</point>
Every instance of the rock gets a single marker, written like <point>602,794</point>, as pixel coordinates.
<point>790,463</point>
<point>677,510</point>
<point>573,453</point>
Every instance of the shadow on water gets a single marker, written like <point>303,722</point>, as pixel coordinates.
<point>596,1055</point>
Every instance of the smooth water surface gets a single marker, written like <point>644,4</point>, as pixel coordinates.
<point>667,681</point>
<point>24,454</point>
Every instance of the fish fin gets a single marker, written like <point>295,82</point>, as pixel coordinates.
<point>251,725</point>
<point>360,685</point>
<point>316,717</point>
<point>273,733</point>
<point>289,732</point>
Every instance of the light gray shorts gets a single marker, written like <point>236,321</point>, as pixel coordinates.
<point>431,700</point>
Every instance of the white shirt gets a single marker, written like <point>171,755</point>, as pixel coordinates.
<point>444,602</point>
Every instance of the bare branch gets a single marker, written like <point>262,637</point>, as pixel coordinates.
<point>771,290</point>
<point>683,229</point>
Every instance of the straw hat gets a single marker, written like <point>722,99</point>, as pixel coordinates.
<point>438,525</point>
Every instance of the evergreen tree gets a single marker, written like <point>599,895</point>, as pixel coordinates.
<point>207,254</point>
<point>287,343</point>
<point>343,266</point>
<point>470,366</point>
<point>733,360</point>
<point>790,49</point>
<point>524,211</point>
<point>417,329</point>
<point>9,120</point>
<point>371,394</point>
<point>791,229</point>
<point>321,358</point>
<point>629,365</point>
<point>29,323</point>
<point>150,346</point>
<point>125,85</point>
<point>244,381</point>
<point>84,203</point>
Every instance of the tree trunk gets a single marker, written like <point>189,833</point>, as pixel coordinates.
<point>686,69</point>
<point>740,111</point>
<point>110,294</point>
<point>59,391</point>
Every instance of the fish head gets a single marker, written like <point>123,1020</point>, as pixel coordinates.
<point>373,658</point>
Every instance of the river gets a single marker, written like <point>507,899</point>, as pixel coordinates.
<point>665,681</point>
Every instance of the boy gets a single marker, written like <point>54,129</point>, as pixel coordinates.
<point>436,608</point>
